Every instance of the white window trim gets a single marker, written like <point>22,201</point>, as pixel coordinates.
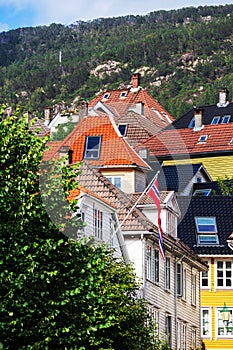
<point>215,274</point>
<point>216,324</point>
<point>208,287</point>
<point>209,336</point>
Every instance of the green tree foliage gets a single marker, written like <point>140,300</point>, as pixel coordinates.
<point>157,41</point>
<point>57,293</point>
<point>62,130</point>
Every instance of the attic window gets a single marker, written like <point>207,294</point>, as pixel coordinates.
<point>207,233</point>
<point>123,129</point>
<point>215,120</point>
<point>92,147</point>
<point>123,94</point>
<point>203,192</point>
<point>203,138</point>
<point>106,96</point>
<point>192,123</point>
<point>226,119</point>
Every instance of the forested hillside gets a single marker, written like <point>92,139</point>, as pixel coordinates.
<point>184,57</point>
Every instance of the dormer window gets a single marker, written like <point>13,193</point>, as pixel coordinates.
<point>123,94</point>
<point>92,147</point>
<point>215,120</point>
<point>106,96</point>
<point>123,129</point>
<point>226,119</point>
<point>207,233</point>
<point>203,138</point>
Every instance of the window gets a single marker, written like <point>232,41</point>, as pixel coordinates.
<point>167,273</point>
<point>115,180</point>
<point>206,230</point>
<point>168,329</point>
<point>203,192</point>
<point>152,264</point>
<point>106,95</point>
<point>179,276</point>
<point>224,270</point>
<point>193,289</point>
<point>123,129</point>
<point>123,94</point>
<point>226,119</point>
<point>205,279</point>
<point>205,322</point>
<point>224,331</point>
<point>148,262</point>
<point>184,332</point>
<point>215,120</point>
<point>154,312</point>
<point>184,284</point>
<point>203,138</point>
<point>156,266</point>
<point>92,147</point>
<point>192,123</point>
<point>98,223</point>
<point>194,337</point>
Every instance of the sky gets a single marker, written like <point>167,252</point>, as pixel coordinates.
<point>30,13</point>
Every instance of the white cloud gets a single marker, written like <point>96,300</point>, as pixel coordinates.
<point>4,27</point>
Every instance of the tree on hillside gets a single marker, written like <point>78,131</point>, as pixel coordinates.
<point>57,293</point>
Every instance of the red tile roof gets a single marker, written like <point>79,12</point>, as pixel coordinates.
<point>115,151</point>
<point>120,105</point>
<point>186,141</point>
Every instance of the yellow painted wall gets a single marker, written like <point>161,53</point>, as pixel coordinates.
<point>218,166</point>
<point>216,298</point>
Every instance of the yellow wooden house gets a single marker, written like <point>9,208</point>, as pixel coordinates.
<point>207,228</point>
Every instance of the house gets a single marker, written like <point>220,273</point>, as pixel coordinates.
<point>170,286</point>
<point>203,135</point>
<point>100,218</point>
<point>179,178</point>
<point>137,114</point>
<point>97,140</point>
<point>206,227</point>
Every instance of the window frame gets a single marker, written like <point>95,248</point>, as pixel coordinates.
<point>193,288</point>
<point>125,125</point>
<point>220,325</point>
<point>204,236</point>
<point>202,192</point>
<point>167,273</point>
<point>226,119</point>
<point>203,138</point>
<point>179,279</point>
<point>207,277</point>
<point>213,120</point>
<point>97,150</point>
<point>98,217</point>
<point>106,95</point>
<point>206,321</point>
<point>113,178</point>
<point>224,274</point>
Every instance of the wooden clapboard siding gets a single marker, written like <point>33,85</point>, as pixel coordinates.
<point>215,298</point>
<point>219,166</point>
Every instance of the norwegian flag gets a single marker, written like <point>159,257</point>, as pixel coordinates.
<point>153,193</point>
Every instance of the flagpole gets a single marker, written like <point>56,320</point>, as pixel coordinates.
<point>125,218</point>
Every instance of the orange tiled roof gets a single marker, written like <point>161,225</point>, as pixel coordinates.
<point>120,105</point>
<point>186,141</point>
<point>115,151</point>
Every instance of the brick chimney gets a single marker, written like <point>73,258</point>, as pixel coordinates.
<point>198,113</point>
<point>135,80</point>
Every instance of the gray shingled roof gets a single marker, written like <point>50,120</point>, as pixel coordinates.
<point>220,207</point>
